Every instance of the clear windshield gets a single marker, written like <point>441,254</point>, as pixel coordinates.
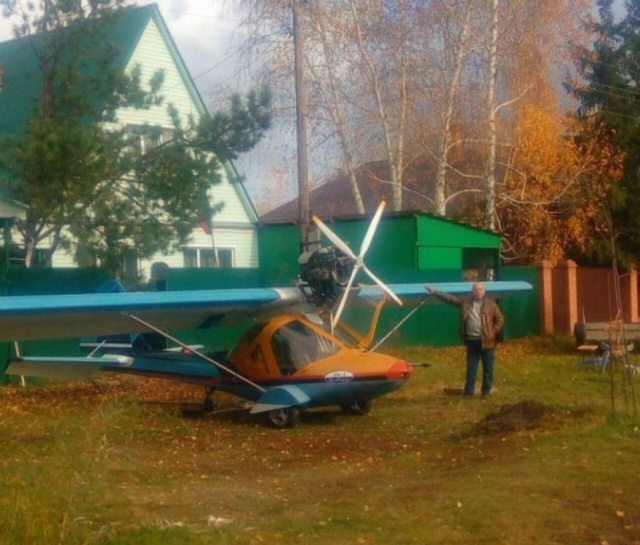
<point>296,345</point>
<point>247,337</point>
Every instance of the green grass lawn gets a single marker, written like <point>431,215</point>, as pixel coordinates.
<point>548,459</point>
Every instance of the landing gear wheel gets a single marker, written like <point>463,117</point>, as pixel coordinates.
<point>191,411</point>
<point>359,407</point>
<point>207,404</point>
<point>288,417</point>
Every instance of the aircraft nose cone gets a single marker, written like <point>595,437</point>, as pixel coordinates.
<point>400,370</point>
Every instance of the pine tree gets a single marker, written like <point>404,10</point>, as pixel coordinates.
<point>88,187</point>
<point>610,95</point>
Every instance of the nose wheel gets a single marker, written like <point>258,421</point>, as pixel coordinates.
<point>288,417</point>
<point>198,410</point>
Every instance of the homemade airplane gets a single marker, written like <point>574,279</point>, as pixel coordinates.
<point>297,355</point>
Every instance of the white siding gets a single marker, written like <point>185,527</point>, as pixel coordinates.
<point>244,243</point>
<point>233,210</point>
<point>10,209</point>
<point>153,54</point>
<point>62,259</point>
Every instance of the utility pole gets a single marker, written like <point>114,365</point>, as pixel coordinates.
<point>306,238</point>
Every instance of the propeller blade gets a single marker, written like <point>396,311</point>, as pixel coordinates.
<point>382,285</point>
<point>345,296</point>
<point>372,229</point>
<point>358,260</point>
<point>333,238</point>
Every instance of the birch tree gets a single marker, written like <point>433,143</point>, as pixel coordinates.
<point>386,108</point>
<point>525,43</point>
<point>460,53</point>
<point>441,84</point>
<point>331,38</point>
<point>357,56</point>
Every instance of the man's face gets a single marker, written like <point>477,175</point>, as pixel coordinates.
<point>478,291</point>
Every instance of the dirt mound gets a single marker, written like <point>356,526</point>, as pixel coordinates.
<point>524,415</point>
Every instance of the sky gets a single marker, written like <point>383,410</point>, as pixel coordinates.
<point>208,35</point>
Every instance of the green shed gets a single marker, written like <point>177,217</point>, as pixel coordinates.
<point>406,242</point>
<point>407,247</point>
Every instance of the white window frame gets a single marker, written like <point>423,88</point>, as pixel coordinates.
<point>145,143</point>
<point>225,257</point>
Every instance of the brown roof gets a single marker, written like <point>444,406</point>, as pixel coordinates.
<point>335,199</point>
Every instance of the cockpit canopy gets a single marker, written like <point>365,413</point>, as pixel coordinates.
<point>281,346</point>
<point>296,344</point>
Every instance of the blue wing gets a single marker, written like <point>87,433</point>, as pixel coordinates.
<point>413,293</point>
<point>70,316</point>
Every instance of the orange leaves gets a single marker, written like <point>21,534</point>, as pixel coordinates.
<point>556,186</point>
<point>542,151</point>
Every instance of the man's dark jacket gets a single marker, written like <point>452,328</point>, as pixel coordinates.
<point>491,317</point>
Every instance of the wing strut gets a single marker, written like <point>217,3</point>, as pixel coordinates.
<point>192,350</point>
<point>399,324</point>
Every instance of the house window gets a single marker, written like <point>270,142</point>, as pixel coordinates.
<point>144,138</point>
<point>205,258</point>
<point>41,259</point>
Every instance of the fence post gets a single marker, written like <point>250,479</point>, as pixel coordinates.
<point>629,294</point>
<point>546,298</point>
<point>565,292</point>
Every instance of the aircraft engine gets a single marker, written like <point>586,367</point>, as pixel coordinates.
<point>326,271</point>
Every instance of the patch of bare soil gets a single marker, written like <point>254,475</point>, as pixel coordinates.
<point>526,415</point>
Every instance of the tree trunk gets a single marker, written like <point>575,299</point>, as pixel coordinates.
<point>337,113</point>
<point>440,208</point>
<point>490,191</point>
<point>395,179</point>
<point>301,129</point>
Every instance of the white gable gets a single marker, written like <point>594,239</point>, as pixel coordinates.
<point>234,227</point>
<point>152,54</point>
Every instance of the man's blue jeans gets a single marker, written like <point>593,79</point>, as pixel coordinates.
<point>475,353</point>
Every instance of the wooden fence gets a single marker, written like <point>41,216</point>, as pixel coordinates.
<point>571,294</point>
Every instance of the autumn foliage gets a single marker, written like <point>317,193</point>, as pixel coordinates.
<point>556,186</point>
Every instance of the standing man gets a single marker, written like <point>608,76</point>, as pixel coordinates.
<point>480,321</point>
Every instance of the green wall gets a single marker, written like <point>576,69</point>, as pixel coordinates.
<point>394,245</point>
<point>523,310</point>
<point>430,257</point>
<point>22,281</point>
<point>413,248</point>
<point>407,242</point>
<point>279,250</point>
<point>440,232</point>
